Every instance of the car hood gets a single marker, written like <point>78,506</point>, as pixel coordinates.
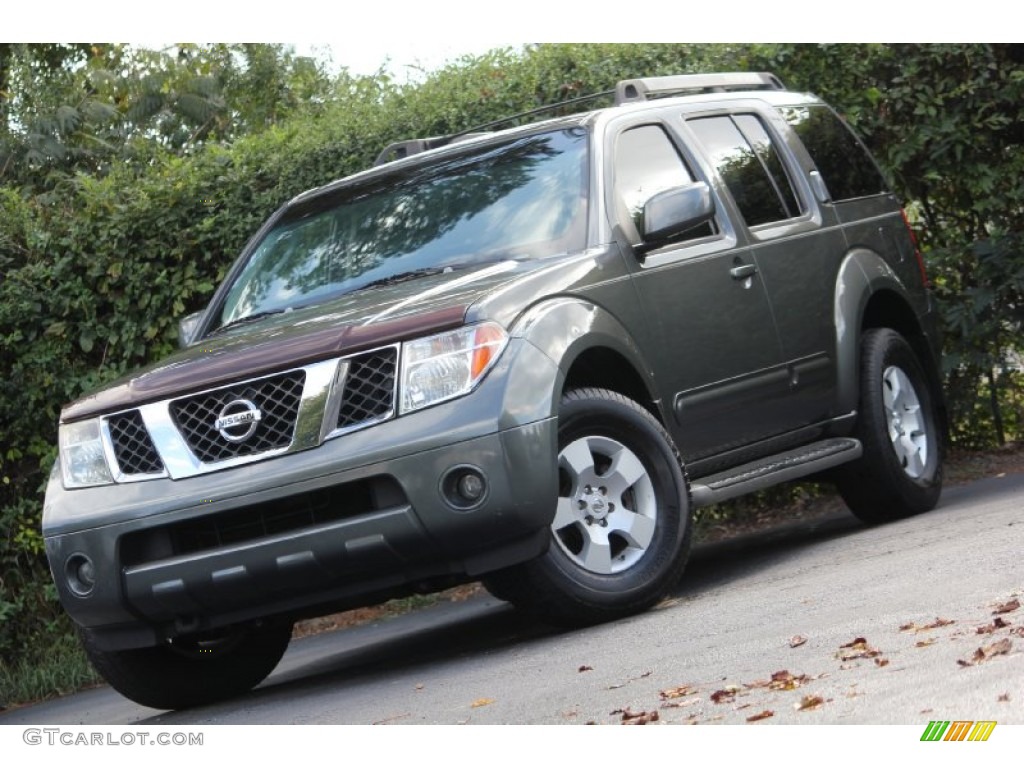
<point>359,320</point>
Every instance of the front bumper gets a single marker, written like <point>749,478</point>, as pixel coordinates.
<point>352,521</point>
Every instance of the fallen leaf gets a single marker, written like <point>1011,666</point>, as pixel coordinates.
<point>914,627</point>
<point>639,718</point>
<point>723,696</point>
<point>760,716</point>
<point>784,680</point>
<point>924,643</point>
<point>997,623</point>
<point>796,641</point>
<point>678,692</point>
<point>1012,605</point>
<point>808,702</point>
<point>882,662</point>
<point>1018,631</point>
<point>998,648</point>
<point>584,668</point>
<point>858,648</point>
<point>628,681</point>
<point>926,711</point>
<point>481,703</point>
<point>1003,697</point>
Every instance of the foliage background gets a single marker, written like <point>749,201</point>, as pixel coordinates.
<point>131,178</point>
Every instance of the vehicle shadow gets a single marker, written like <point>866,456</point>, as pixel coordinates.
<point>334,661</point>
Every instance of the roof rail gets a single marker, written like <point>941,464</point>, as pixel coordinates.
<point>626,92</point>
<point>646,88</point>
<point>401,149</point>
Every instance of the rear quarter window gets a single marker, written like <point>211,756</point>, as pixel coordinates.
<point>843,162</point>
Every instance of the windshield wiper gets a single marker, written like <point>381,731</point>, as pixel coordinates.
<point>402,277</point>
<point>249,319</point>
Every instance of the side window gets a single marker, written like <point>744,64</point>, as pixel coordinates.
<point>748,162</point>
<point>646,163</point>
<point>844,164</point>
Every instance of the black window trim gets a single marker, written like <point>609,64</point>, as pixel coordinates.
<point>726,237</point>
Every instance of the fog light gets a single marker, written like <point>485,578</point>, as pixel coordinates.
<point>80,574</point>
<point>464,487</point>
<point>471,486</point>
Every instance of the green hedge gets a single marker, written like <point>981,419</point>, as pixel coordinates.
<point>98,271</point>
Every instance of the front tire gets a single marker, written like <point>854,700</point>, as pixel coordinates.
<point>192,671</point>
<point>900,472</point>
<point>622,526</point>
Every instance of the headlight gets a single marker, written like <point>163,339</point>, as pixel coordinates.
<point>81,455</point>
<point>448,365</point>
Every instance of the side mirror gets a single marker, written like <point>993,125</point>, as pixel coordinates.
<point>676,210</point>
<point>187,328</point>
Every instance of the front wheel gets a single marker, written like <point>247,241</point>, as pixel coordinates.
<point>900,473</point>
<point>191,671</point>
<point>622,525</point>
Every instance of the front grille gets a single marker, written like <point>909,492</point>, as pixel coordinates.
<point>277,398</point>
<point>369,387</point>
<point>133,447</point>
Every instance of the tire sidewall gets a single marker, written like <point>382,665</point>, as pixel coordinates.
<point>886,348</point>
<point>597,413</point>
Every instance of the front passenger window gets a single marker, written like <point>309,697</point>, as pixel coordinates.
<point>646,163</point>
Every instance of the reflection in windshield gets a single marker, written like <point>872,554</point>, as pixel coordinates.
<point>519,200</point>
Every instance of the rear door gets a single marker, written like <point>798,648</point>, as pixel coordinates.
<point>795,246</point>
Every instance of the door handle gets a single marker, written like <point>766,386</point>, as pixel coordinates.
<point>743,271</point>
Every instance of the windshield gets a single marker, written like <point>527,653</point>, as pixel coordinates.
<point>519,200</point>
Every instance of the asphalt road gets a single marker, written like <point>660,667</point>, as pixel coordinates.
<point>706,655</point>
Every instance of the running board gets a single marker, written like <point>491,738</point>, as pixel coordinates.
<point>772,470</point>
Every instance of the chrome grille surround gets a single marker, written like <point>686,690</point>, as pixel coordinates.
<point>306,406</point>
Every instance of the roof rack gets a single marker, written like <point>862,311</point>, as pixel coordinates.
<point>626,92</point>
<point>399,149</point>
<point>647,88</point>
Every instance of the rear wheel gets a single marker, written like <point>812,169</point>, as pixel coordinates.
<point>622,526</point>
<point>192,670</point>
<point>900,473</point>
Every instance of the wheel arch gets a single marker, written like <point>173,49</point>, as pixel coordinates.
<point>591,348</point>
<point>869,295</point>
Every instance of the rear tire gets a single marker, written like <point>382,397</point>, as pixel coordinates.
<point>192,671</point>
<point>900,472</point>
<point>622,528</point>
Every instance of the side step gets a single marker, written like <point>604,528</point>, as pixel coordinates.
<point>772,470</point>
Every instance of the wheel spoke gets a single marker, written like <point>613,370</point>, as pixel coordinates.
<point>637,530</point>
<point>911,456</point>
<point>565,514</point>
<point>624,472</point>
<point>890,390</point>
<point>597,551</point>
<point>577,458</point>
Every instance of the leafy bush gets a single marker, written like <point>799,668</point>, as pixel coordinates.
<point>97,269</point>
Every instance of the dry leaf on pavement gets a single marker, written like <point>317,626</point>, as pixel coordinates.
<point>1012,605</point>
<point>997,648</point>
<point>808,702</point>
<point>858,648</point>
<point>678,692</point>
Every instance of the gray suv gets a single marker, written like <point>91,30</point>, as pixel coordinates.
<point>522,356</point>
